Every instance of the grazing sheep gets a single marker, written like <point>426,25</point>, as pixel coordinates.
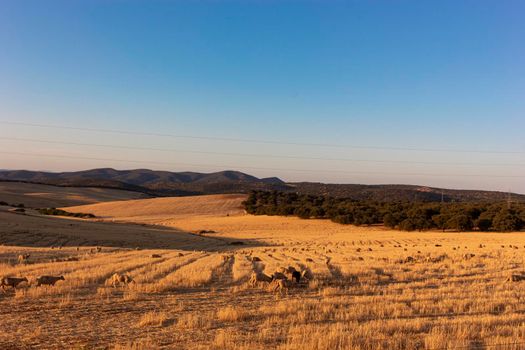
<point>296,275</point>
<point>22,258</point>
<point>258,277</point>
<point>516,278</point>
<point>409,259</point>
<point>180,255</point>
<point>48,280</point>
<point>156,256</point>
<point>279,276</point>
<point>11,282</point>
<point>307,274</point>
<point>279,285</point>
<point>117,279</point>
<point>290,269</point>
<point>309,260</point>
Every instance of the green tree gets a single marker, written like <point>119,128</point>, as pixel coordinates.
<point>460,222</point>
<point>507,220</point>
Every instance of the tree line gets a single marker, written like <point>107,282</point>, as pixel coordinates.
<point>407,216</point>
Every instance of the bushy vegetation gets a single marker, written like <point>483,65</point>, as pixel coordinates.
<point>60,212</point>
<point>407,216</point>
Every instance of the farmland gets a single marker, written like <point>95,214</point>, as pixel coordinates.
<point>372,288</point>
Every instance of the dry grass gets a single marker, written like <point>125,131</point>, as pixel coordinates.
<point>44,196</point>
<point>159,209</point>
<point>366,293</point>
<point>153,318</point>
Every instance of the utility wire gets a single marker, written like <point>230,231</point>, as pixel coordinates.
<point>210,138</point>
<point>256,155</point>
<point>256,168</point>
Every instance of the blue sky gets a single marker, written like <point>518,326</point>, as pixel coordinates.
<point>447,75</point>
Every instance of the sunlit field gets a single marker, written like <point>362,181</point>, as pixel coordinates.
<point>368,288</point>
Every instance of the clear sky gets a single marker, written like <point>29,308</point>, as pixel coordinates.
<point>410,85</point>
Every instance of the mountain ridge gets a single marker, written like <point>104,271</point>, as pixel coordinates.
<point>166,183</point>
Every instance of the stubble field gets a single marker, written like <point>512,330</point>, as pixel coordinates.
<point>371,288</point>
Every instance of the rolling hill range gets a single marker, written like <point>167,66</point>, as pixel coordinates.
<point>165,183</point>
<point>156,183</point>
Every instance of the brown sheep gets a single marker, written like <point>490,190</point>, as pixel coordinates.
<point>279,276</point>
<point>307,274</point>
<point>290,270</point>
<point>117,279</point>
<point>22,258</point>
<point>296,275</point>
<point>516,278</point>
<point>11,282</point>
<point>258,277</point>
<point>279,285</point>
<point>48,280</point>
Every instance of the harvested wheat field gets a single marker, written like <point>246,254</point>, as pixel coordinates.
<point>157,210</point>
<point>42,196</point>
<point>358,287</point>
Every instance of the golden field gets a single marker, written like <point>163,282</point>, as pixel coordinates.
<point>44,196</point>
<point>372,288</point>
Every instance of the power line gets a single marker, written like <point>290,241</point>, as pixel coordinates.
<point>256,155</point>
<point>226,139</point>
<point>256,168</point>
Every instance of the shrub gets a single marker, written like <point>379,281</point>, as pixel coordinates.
<point>60,212</point>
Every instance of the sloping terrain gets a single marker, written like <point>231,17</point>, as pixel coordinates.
<point>387,193</point>
<point>157,210</point>
<point>46,231</point>
<point>45,196</point>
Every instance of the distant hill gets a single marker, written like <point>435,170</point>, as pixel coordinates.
<point>157,183</point>
<point>402,193</point>
<point>166,183</point>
